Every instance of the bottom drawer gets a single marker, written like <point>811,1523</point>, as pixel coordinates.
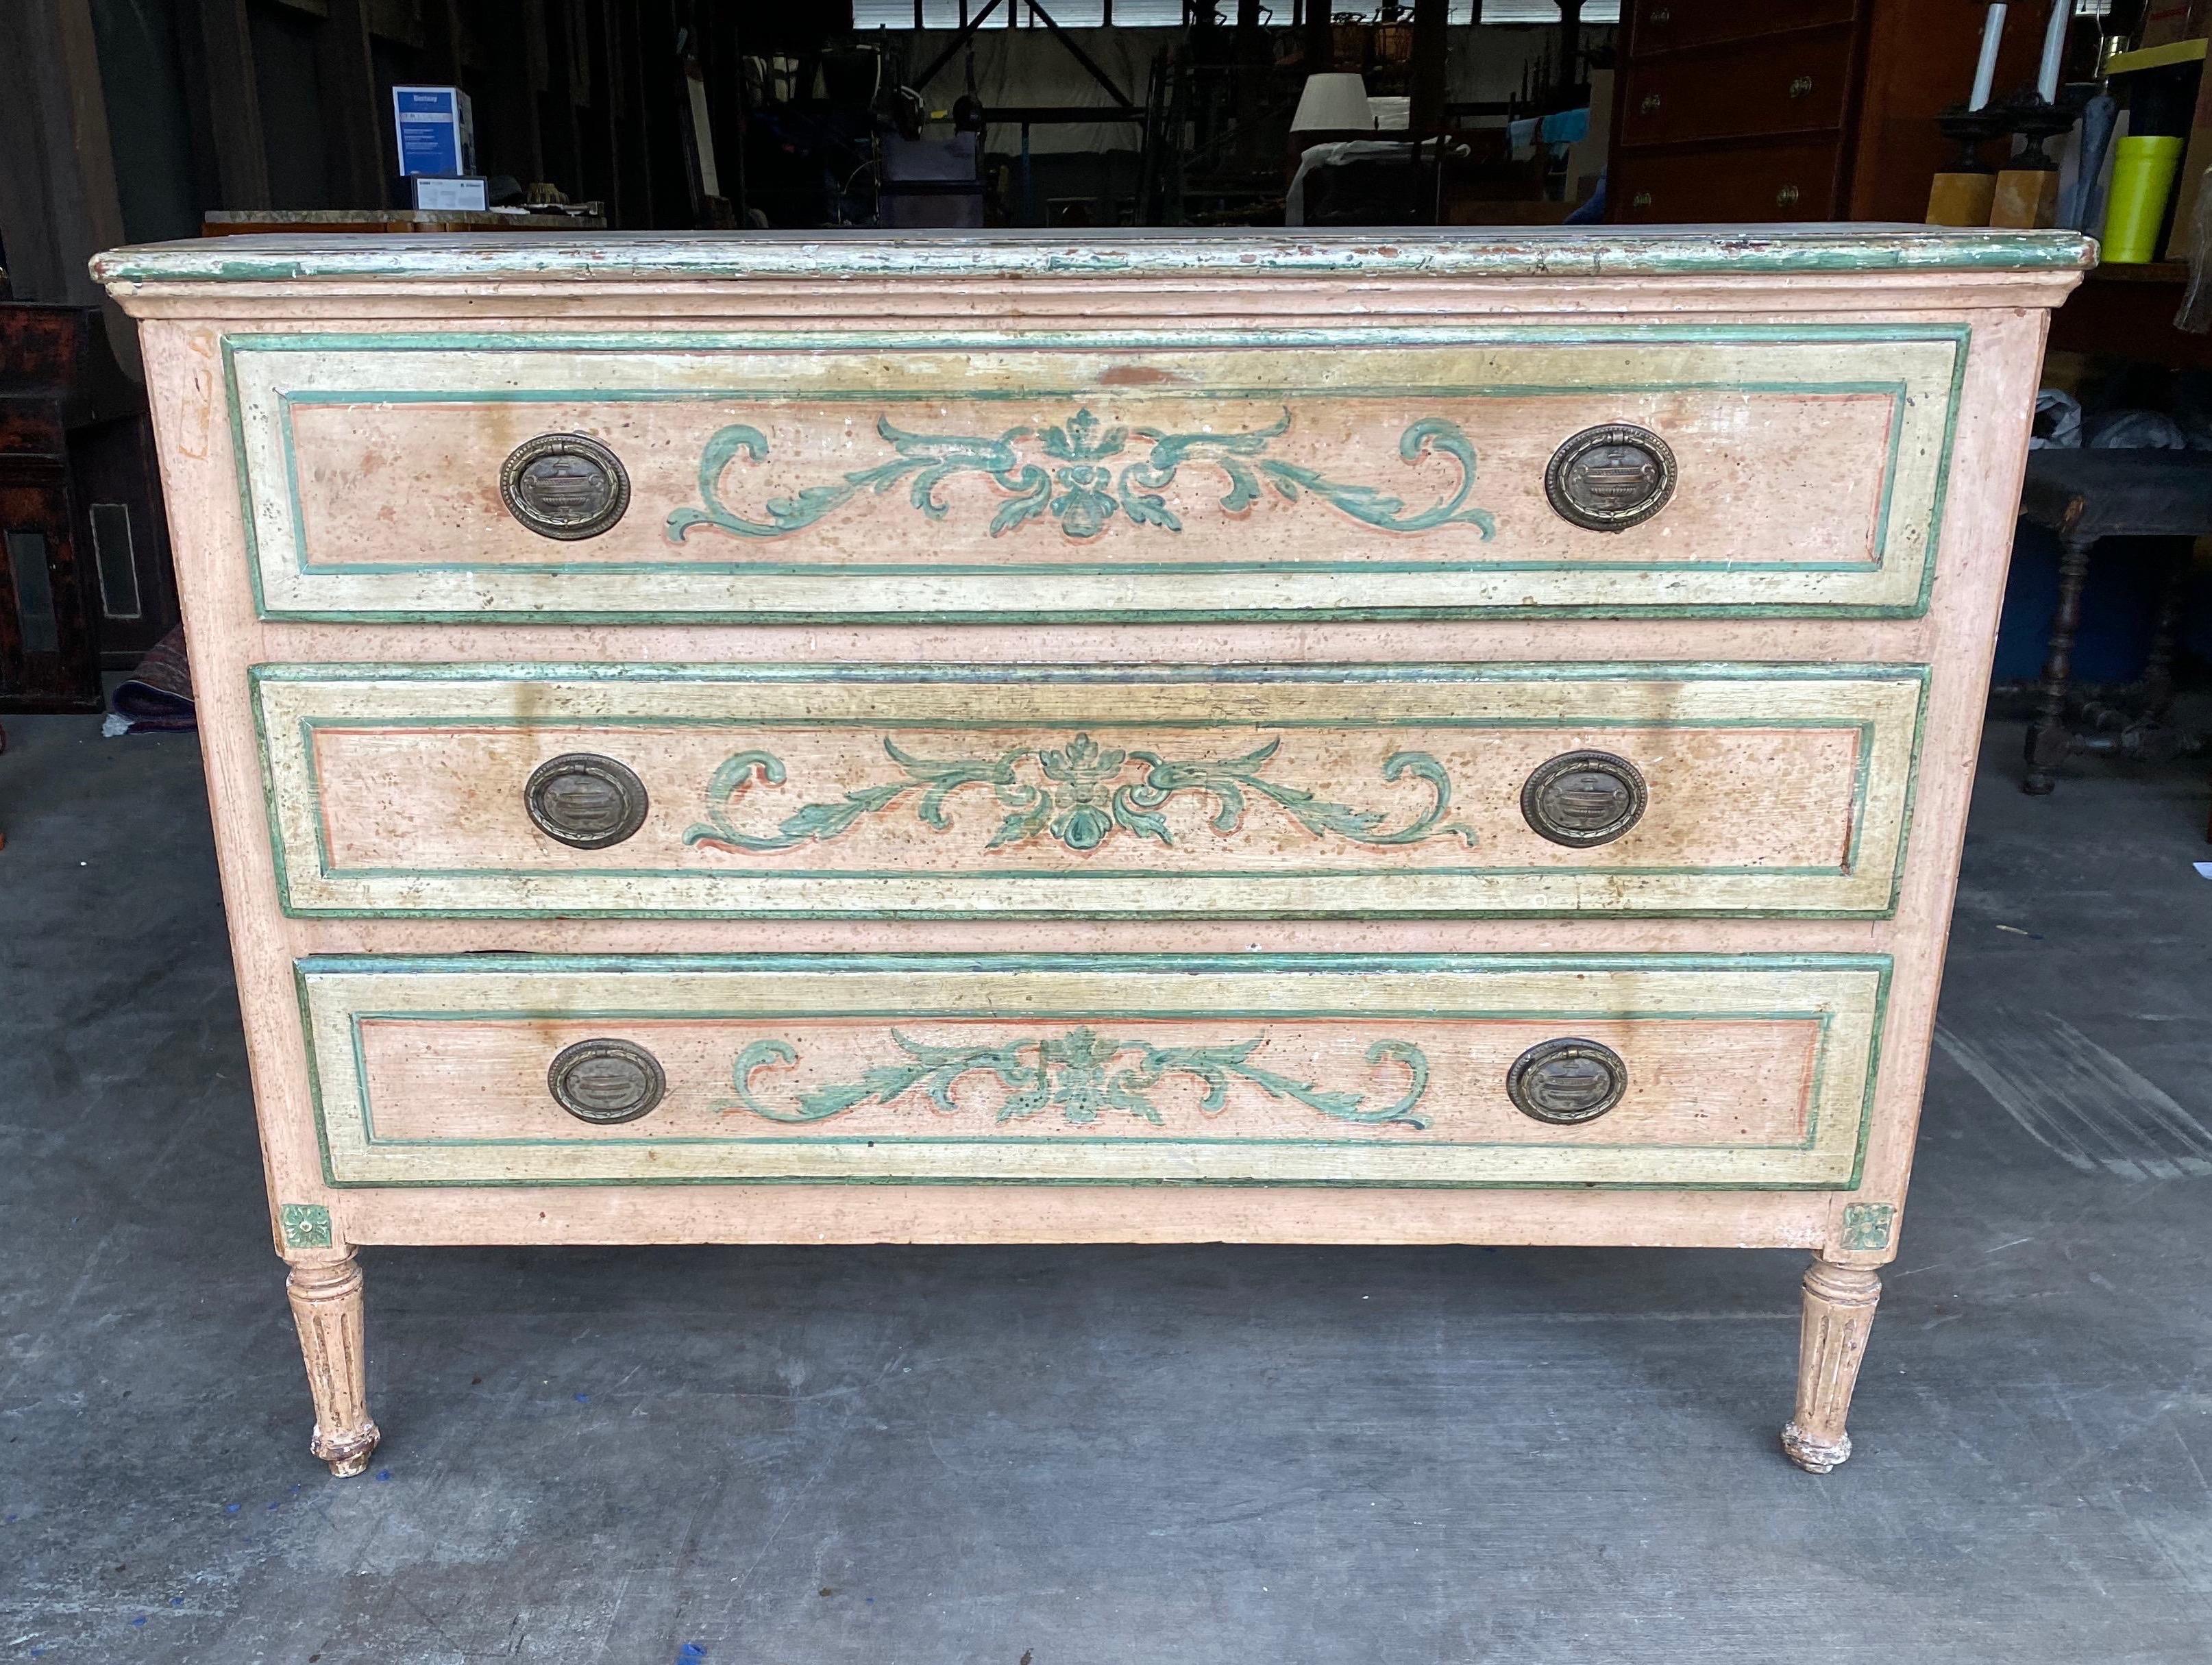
<point>1739,1071</point>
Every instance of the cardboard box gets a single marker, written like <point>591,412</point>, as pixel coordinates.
<point>2165,22</point>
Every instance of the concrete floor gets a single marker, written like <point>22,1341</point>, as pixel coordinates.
<point>1165,1456</point>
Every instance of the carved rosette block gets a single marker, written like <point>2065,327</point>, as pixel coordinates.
<point>327,1306</point>
<point>1840,1303</point>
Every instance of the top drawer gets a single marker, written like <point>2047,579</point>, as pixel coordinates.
<point>1673,24</point>
<point>1768,469</point>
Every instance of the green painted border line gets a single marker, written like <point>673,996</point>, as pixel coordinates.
<point>1135,963</point>
<point>749,401</point>
<point>1112,677</point>
<point>1958,335</point>
<point>1146,965</point>
<point>312,728</point>
<point>1821,1018</point>
<point>1348,672</point>
<point>1376,335</point>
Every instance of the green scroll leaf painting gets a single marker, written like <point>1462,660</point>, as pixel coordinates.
<point>1080,1073</point>
<point>1082,799</point>
<point>1086,479</point>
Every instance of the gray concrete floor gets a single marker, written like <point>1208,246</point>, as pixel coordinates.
<point>1159,1456</point>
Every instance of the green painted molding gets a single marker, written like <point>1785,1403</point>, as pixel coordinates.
<point>1593,252</point>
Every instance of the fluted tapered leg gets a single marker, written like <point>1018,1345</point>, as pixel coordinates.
<point>1839,1303</point>
<point>326,1305</point>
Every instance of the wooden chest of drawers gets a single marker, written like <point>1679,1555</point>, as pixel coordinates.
<point>1792,109</point>
<point>765,739</point>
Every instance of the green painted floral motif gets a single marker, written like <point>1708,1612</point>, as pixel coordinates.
<point>1086,479</point>
<point>1082,799</point>
<point>1075,1074</point>
<point>1866,1225</point>
<point>305,1225</point>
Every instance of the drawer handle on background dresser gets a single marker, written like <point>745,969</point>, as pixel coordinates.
<point>1580,798</point>
<point>1650,103</point>
<point>1642,199</point>
<point>1662,15</point>
<point>1566,1081</point>
<point>1611,478</point>
<point>1787,197</point>
<point>1801,86</point>
<point>564,485</point>
<point>585,800</point>
<point>605,1081</point>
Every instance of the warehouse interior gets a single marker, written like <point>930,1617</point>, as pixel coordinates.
<point>1060,1454</point>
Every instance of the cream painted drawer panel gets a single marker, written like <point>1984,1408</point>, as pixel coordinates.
<point>1177,474</point>
<point>1739,1071</point>
<point>868,791</point>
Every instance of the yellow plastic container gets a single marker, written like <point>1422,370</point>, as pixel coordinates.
<point>2142,179</point>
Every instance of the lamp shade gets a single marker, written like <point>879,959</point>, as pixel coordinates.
<point>1332,103</point>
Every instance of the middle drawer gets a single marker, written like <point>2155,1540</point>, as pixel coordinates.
<point>950,790</point>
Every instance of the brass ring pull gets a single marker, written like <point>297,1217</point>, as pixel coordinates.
<point>1787,197</point>
<point>1566,1081</point>
<point>605,1082</point>
<point>1641,199</point>
<point>584,800</point>
<point>1801,86</point>
<point>1650,103</point>
<point>1611,478</point>
<point>1582,799</point>
<point>564,485</point>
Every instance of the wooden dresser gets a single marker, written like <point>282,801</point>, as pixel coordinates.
<point>791,738</point>
<point>1735,110</point>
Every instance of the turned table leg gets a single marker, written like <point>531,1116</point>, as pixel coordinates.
<point>1839,1301</point>
<point>326,1305</point>
<point>2166,637</point>
<point>2049,740</point>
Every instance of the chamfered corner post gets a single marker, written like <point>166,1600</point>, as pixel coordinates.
<point>1840,1303</point>
<point>325,1293</point>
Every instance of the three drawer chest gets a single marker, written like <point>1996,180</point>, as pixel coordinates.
<point>1449,737</point>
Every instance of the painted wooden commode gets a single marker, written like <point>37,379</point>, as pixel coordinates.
<point>1456,738</point>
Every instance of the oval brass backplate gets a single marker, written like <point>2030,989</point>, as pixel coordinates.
<point>564,485</point>
<point>1580,798</point>
<point>605,1081</point>
<point>1612,478</point>
<point>586,801</point>
<point>1566,1081</point>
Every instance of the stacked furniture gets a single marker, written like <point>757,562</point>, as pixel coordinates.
<point>1178,738</point>
<point>84,577</point>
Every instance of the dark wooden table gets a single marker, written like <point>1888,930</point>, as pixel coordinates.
<point>2085,496</point>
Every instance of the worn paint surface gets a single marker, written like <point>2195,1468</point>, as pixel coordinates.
<point>1607,250</point>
